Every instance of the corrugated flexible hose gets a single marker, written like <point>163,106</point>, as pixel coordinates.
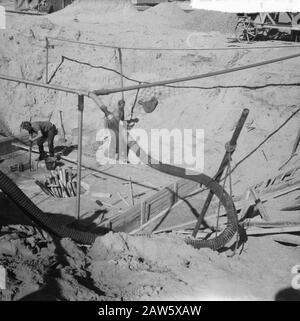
<point>47,221</point>
<point>232,222</point>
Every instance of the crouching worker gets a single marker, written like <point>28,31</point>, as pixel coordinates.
<point>40,131</point>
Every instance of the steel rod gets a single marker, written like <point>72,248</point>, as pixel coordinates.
<point>48,86</point>
<point>79,153</point>
<point>188,78</point>
<point>121,70</point>
<point>47,59</point>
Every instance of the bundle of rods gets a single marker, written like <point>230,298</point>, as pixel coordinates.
<point>59,184</point>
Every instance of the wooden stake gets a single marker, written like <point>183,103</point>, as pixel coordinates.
<point>131,192</point>
<point>259,205</point>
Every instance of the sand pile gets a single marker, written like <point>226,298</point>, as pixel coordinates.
<point>93,11</point>
<point>214,106</point>
<point>165,267</point>
<point>205,20</point>
<point>166,13</point>
<point>199,20</point>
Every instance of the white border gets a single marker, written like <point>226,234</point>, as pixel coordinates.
<point>2,18</point>
<point>248,5</point>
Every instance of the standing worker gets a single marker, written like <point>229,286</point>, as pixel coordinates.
<point>41,131</point>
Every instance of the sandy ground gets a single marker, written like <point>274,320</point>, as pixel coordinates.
<point>119,266</point>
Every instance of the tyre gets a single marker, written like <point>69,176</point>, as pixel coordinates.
<point>245,31</point>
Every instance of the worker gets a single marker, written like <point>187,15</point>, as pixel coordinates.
<point>40,131</point>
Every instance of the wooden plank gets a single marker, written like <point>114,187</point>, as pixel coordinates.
<point>275,230</point>
<point>278,182</point>
<point>258,203</point>
<point>239,205</point>
<point>145,2</point>
<point>288,238</point>
<point>293,207</point>
<point>162,202</point>
<point>143,211</point>
<point>127,221</point>
<point>250,223</point>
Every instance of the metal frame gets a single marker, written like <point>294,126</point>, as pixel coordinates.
<point>262,18</point>
<point>266,21</point>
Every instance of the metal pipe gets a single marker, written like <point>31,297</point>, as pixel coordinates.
<point>48,86</point>
<point>79,153</point>
<point>121,70</point>
<point>172,49</point>
<point>47,59</point>
<point>207,75</point>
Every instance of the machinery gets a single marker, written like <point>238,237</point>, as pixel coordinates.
<point>268,25</point>
<point>52,5</point>
<point>43,6</point>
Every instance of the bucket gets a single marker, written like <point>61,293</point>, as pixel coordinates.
<point>50,163</point>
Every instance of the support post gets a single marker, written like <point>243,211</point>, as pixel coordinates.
<point>79,153</point>
<point>175,189</point>
<point>47,58</point>
<point>131,192</point>
<point>230,147</point>
<point>121,70</point>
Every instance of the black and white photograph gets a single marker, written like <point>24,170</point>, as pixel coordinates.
<point>149,152</point>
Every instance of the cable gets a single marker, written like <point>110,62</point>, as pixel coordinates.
<point>56,69</point>
<point>168,86</point>
<point>134,103</point>
<point>170,49</point>
<point>263,142</point>
<point>108,91</point>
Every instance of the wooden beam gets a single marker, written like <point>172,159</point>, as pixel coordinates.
<point>288,238</point>
<point>275,230</point>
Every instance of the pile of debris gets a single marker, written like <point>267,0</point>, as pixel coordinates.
<point>60,183</point>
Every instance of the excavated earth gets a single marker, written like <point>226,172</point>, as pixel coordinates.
<point>119,266</point>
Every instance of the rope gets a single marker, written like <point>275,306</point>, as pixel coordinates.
<point>134,103</point>
<point>56,70</point>
<point>168,86</point>
<point>189,78</point>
